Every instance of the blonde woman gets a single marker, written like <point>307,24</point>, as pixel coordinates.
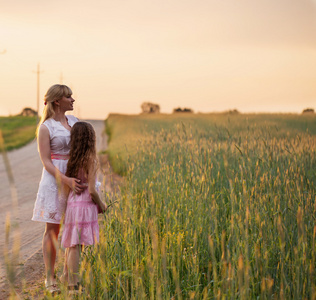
<point>53,136</point>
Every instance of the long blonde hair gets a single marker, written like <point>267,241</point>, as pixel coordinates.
<point>55,92</point>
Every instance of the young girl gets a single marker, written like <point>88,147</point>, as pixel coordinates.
<point>81,218</point>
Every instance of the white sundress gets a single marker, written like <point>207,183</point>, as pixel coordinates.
<point>50,205</point>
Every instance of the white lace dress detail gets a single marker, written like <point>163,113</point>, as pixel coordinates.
<point>50,205</point>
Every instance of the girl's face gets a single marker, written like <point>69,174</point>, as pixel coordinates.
<point>66,103</point>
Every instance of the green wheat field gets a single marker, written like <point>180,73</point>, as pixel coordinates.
<point>212,206</point>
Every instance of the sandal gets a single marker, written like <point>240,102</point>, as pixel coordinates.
<point>52,288</point>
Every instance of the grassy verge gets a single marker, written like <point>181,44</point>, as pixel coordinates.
<point>17,131</point>
<point>214,206</point>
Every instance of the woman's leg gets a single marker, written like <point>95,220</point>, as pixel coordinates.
<point>49,250</point>
<point>73,265</point>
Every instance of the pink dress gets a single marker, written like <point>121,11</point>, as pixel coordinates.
<point>81,219</point>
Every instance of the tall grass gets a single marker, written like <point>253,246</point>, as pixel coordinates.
<point>11,245</point>
<point>17,131</point>
<point>213,206</point>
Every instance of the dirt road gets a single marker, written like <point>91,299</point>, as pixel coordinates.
<point>27,169</point>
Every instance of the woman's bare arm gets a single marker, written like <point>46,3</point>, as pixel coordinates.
<point>45,154</point>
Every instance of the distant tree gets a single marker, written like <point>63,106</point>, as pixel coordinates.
<point>150,108</point>
<point>181,110</point>
<point>28,112</point>
<point>233,112</point>
<point>308,111</point>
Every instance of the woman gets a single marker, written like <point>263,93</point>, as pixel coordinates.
<point>53,136</point>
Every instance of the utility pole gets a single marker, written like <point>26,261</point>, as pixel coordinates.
<point>38,72</point>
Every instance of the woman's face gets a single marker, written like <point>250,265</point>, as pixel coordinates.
<point>66,103</point>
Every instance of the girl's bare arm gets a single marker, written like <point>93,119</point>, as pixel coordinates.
<point>93,192</point>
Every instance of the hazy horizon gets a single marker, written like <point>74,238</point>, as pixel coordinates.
<point>210,56</point>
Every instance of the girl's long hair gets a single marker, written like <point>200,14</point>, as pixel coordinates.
<point>55,92</point>
<point>82,155</point>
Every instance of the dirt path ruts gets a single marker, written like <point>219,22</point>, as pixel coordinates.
<point>27,169</point>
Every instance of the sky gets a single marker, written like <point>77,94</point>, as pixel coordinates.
<point>210,56</point>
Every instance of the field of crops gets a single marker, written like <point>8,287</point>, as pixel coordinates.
<point>213,206</point>
<point>17,131</point>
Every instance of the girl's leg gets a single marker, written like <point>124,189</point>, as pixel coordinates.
<point>49,250</point>
<point>64,276</point>
<point>73,265</point>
